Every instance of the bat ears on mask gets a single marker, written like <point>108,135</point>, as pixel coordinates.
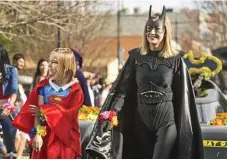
<point>162,16</point>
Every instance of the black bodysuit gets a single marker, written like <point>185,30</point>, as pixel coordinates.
<point>154,120</point>
<point>155,74</point>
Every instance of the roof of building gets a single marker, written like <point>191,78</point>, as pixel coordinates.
<point>133,24</point>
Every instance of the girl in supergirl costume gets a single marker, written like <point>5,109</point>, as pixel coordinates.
<point>154,101</point>
<point>55,128</point>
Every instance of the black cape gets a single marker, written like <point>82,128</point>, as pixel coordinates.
<point>118,142</point>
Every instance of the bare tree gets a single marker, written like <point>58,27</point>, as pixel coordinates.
<point>211,31</point>
<point>190,29</point>
<point>23,19</point>
<point>215,16</point>
<point>35,23</point>
<point>216,27</point>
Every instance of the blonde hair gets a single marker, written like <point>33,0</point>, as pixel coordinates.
<point>168,50</point>
<point>66,65</point>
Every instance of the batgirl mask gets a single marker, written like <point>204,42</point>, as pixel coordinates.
<point>157,25</point>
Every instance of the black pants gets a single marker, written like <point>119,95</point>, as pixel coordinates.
<point>156,144</point>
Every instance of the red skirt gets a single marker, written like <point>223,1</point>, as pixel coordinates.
<point>53,148</point>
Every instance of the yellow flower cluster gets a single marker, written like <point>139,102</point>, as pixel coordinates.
<point>41,130</point>
<point>114,121</point>
<point>88,113</point>
<point>208,73</point>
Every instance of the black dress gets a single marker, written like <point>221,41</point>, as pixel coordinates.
<point>156,109</point>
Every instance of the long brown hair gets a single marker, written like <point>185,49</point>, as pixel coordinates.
<point>66,65</point>
<point>168,49</point>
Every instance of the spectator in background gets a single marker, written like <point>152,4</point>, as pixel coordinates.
<point>91,93</point>
<point>105,91</point>
<point>19,61</point>
<point>82,79</point>
<point>97,89</point>
<point>8,93</point>
<point>21,137</point>
<point>41,72</point>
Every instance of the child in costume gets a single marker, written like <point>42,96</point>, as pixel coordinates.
<point>54,127</point>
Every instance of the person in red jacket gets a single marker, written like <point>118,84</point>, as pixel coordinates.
<point>54,127</point>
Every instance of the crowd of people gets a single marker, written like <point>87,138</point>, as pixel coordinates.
<point>152,99</point>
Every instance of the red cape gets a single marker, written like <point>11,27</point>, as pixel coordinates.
<point>62,119</point>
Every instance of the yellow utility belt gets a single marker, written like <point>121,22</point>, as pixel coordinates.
<point>214,143</point>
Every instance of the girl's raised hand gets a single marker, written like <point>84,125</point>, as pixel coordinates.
<point>34,109</point>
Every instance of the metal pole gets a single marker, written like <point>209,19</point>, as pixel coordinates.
<point>176,28</point>
<point>118,33</point>
<point>59,31</point>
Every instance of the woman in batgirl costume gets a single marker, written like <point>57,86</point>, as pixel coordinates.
<point>154,102</point>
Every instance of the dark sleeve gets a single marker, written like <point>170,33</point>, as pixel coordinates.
<point>83,84</point>
<point>121,86</point>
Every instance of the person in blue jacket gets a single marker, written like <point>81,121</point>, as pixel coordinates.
<point>8,94</point>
